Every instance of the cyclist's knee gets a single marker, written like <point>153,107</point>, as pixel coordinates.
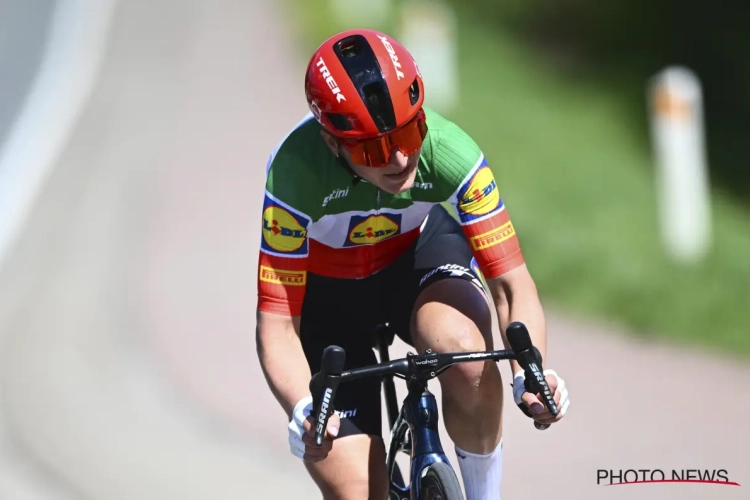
<point>452,313</point>
<point>453,316</point>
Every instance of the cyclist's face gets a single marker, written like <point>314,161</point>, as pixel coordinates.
<point>398,176</point>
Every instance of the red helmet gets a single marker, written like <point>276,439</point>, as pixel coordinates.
<point>362,84</point>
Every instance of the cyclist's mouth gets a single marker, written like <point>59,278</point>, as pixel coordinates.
<point>400,176</point>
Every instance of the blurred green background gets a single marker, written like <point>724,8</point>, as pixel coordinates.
<point>555,94</point>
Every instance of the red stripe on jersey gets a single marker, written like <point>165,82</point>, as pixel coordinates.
<point>281,284</point>
<point>358,261</point>
<point>495,245</point>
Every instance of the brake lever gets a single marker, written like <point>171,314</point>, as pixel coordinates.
<point>323,387</point>
<point>530,359</point>
<point>531,385</point>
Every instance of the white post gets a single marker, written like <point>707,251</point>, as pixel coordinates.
<point>675,102</point>
<point>429,32</point>
<point>371,14</point>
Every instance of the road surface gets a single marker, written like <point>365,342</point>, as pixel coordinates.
<point>127,357</point>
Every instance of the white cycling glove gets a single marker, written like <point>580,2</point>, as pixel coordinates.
<point>519,388</point>
<point>302,410</point>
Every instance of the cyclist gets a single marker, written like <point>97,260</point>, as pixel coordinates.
<point>354,234</point>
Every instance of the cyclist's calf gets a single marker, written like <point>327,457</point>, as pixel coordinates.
<point>452,315</point>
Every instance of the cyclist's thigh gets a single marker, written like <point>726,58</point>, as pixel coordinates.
<point>339,312</point>
<point>441,253</point>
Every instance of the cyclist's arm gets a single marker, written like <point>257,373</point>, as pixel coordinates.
<point>282,282</point>
<point>497,251</point>
<point>282,358</point>
<point>490,233</point>
<point>516,299</point>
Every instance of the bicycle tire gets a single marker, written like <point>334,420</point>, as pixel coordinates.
<point>439,482</point>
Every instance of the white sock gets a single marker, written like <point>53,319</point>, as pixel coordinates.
<point>482,474</point>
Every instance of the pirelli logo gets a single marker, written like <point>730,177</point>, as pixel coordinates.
<point>283,277</point>
<point>493,237</point>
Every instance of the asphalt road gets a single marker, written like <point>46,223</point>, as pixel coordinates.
<point>127,357</point>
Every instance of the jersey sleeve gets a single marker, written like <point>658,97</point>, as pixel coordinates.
<point>483,216</point>
<point>284,246</point>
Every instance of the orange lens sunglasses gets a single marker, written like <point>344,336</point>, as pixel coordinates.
<point>377,152</point>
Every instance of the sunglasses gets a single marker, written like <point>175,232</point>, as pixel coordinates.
<point>377,152</point>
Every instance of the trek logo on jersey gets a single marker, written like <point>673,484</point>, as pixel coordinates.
<point>479,196</point>
<point>282,276</point>
<point>372,229</point>
<point>493,237</point>
<point>284,232</point>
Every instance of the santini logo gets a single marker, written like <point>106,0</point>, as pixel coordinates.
<point>346,413</point>
<point>335,195</point>
<point>640,476</point>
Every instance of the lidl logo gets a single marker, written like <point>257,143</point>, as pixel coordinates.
<point>494,237</point>
<point>481,196</point>
<point>283,231</point>
<point>372,229</point>
<point>282,276</point>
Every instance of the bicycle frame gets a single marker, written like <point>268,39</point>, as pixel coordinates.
<point>418,415</point>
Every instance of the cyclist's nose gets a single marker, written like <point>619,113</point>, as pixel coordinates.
<point>398,159</point>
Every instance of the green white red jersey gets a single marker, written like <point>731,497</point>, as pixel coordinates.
<point>317,219</point>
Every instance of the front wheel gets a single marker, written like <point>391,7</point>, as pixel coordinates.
<point>439,482</point>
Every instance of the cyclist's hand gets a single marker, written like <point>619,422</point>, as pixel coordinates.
<point>312,452</point>
<point>533,405</point>
<point>302,433</point>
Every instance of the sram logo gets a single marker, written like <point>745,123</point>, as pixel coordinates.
<point>324,409</point>
<point>394,57</point>
<point>330,81</point>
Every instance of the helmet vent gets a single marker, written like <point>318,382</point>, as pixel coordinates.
<point>350,48</point>
<point>361,65</point>
<point>378,102</point>
<point>414,92</point>
<point>339,121</point>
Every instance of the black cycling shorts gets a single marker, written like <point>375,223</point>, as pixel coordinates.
<point>345,312</point>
